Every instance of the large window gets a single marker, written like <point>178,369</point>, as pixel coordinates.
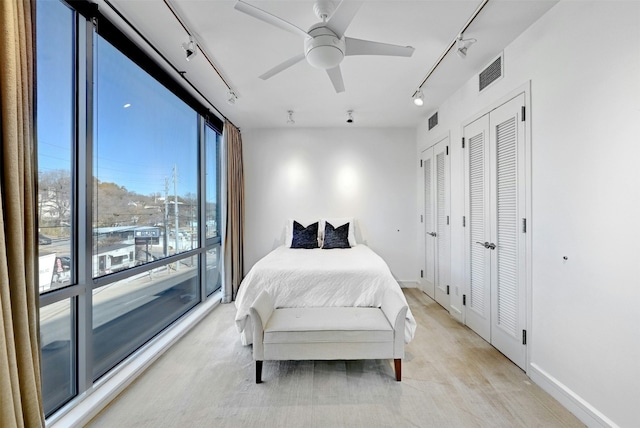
<point>128,199</point>
<point>145,157</point>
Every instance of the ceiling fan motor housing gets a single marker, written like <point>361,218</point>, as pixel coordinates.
<point>324,49</point>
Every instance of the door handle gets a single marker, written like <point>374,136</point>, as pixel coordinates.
<point>487,245</point>
<point>432,234</point>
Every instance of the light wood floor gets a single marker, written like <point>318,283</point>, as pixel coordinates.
<point>451,378</point>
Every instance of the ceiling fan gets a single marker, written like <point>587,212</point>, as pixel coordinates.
<point>325,44</point>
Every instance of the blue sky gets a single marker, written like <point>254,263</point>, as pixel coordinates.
<point>141,129</point>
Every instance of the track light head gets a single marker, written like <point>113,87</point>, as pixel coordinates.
<point>191,48</point>
<point>290,120</point>
<point>463,45</point>
<point>349,116</point>
<point>231,97</point>
<point>418,98</point>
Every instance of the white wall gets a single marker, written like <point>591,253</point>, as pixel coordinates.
<point>583,61</point>
<point>365,173</point>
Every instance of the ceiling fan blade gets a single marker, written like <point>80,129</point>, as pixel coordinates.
<point>367,47</point>
<point>281,67</point>
<point>269,18</point>
<point>343,16</point>
<point>336,78</point>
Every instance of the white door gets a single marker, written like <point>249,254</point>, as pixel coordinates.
<point>441,211</point>
<point>478,297</point>
<point>428,277</point>
<point>496,235</point>
<point>436,222</point>
<point>508,270</point>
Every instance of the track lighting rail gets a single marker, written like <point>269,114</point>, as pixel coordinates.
<point>190,34</point>
<point>451,45</point>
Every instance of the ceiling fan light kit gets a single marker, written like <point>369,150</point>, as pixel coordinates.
<point>324,49</point>
<point>325,44</point>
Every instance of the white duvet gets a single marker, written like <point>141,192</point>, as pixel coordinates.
<point>354,276</point>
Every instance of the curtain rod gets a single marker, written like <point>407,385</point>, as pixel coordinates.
<point>451,45</point>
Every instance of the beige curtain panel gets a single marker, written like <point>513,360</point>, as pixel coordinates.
<point>20,402</point>
<point>234,236</point>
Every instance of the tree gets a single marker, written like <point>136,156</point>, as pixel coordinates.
<point>54,197</point>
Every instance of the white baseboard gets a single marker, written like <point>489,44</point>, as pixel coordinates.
<point>408,284</point>
<point>574,403</point>
<point>83,408</point>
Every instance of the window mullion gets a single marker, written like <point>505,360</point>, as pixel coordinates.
<point>84,190</point>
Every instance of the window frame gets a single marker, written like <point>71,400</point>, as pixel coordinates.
<point>87,22</point>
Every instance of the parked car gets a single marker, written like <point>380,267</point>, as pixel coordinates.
<point>66,262</point>
<point>43,240</point>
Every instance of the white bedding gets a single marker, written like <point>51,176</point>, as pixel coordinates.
<point>354,276</point>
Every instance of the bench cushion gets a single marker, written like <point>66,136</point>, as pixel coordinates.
<point>333,325</point>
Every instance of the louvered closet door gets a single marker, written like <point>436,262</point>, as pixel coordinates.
<point>496,245</point>
<point>435,278</point>
<point>508,259</point>
<point>442,244</point>
<point>427,283</point>
<point>478,297</point>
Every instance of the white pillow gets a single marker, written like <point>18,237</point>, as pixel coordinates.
<point>288,230</point>
<point>337,222</point>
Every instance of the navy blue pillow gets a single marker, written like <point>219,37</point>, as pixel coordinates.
<point>305,237</point>
<point>336,237</point>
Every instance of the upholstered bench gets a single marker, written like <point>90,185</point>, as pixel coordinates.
<point>328,333</point>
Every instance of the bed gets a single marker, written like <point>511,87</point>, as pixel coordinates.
<point>295,277</point>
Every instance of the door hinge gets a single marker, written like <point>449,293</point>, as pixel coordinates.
<point>447,220</point>
<point>464,221</point>
<point>463,142</point>
<point>447,290</point>
<point>524,225</point>
<point>421,218</point>
<point>464,300</point>
<point>447,150</point>
<point>524,110</point>
<point>421,274</point>
<point>420,163</point>
<point>524,337</point>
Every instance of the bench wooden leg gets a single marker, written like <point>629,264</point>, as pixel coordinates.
<point>258,371</point>
<point>398,364</point>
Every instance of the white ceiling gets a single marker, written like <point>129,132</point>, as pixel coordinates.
<point>378,88</point>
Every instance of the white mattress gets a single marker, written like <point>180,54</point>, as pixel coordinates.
<point>355,276</point>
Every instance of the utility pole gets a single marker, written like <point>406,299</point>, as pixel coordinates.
<point>175,208</point>
<point>166,217</point>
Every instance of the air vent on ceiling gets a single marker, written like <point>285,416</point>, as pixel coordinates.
<point>490,74</point>
<point>433,121</point>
